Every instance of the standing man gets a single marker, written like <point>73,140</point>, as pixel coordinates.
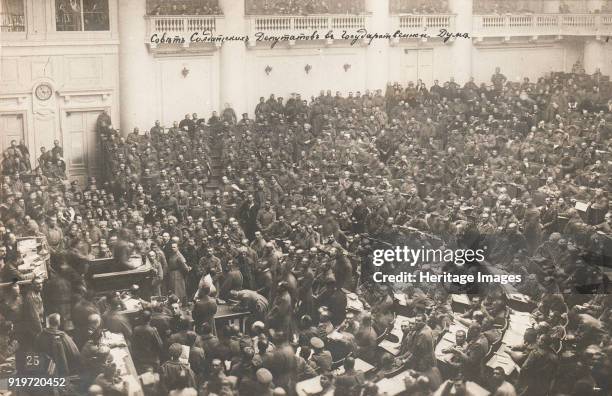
<point>498,80</point>
<point>177,269</point>
<point>32,315</point>
<point>59,347</point>
<point>146,345</point>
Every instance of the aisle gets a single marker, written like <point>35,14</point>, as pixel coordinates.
<point>216,168</point>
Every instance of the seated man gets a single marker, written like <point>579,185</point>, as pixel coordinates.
<point>460,345</point>
<point>321,359</point>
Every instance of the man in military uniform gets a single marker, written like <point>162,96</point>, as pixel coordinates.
<point>175,375</point>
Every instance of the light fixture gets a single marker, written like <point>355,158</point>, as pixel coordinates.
<point>185,71</point>
<point>268,70</point>
<point>346,67</point>
<point>307,68</point>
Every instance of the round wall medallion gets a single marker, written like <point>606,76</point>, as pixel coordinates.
<point>43,91</point>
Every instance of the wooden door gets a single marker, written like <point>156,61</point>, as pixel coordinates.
<point>11,128</point>
<point>80,143</point>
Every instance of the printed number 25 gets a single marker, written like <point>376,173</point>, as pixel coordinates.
<point>32,360</point>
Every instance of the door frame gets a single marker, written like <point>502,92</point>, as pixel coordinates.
<point>64,126</point>
<point>26,136</point>
<point>418,54</point>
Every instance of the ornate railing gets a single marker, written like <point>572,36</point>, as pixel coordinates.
<point>422,23</point>
<point>542,24</point>
<point>12,23</point>
<point>183,25</point>
<point>296,24</point>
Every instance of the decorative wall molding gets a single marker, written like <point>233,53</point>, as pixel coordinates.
<point>85,96</point>
<point>15,99</point>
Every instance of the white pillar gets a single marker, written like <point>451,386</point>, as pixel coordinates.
<point>136,74</point>
<point>461,48</point>
<point>593,56</point>
<point>377,53</point>
<point>233,59</point>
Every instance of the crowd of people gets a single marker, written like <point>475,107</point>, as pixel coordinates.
<point>536,6</point>
<point>506,7</point>
<point>84,15</point>
<point>418,7</point>
<point>304,7</point>
<point>183,7</point>
<point>280,214</point>
<point>309,7</point>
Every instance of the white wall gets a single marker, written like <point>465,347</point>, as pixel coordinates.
<point>525,60</point>
<point>288,72</point>
<point>197,92</point>
<point>80,76</point>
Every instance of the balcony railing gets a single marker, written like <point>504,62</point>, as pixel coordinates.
<point>294,24</point>
<point>420,23</point>
<point>183,25</point>
<point>12,23</point>
<point>542,25</point>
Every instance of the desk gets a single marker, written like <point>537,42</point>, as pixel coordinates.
<point>312,386</point>
<point>104,278</point>
<point>393,347</point>
<point>360,365</point>
<point>35,259</point>
<point>518,323</point>
<point>133,308</point>
<point>353,303</point>
<point>460,302</point>
<point>132,305</point>
<point>123,359</point>
<point>502,359</point>
<point>401,304</point>
<point>227,315</point>
<point>392,386</point>
<point>516,300</point>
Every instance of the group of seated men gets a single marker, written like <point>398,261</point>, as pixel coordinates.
<point>183,7</point>
<point>308,190</point>
<point>419,6</point>
<point>534,6</point>
<point>304,7</point>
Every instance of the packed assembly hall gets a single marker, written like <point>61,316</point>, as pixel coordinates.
<point>305,197</point>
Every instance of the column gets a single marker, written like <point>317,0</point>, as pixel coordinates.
<point>593,55</point>
<point>232,84</point>
<point>136,73</point>
<point>461,48</point>
<point>377,53</point>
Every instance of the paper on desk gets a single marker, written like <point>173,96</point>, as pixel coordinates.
<point>27,245</point>
<point>581,206</point>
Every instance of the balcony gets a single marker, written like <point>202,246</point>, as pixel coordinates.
<point>542,25</point>
<point>12,23</point>
<point>293,25</point>
<point>179,29</point>
<point>423,23</point>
